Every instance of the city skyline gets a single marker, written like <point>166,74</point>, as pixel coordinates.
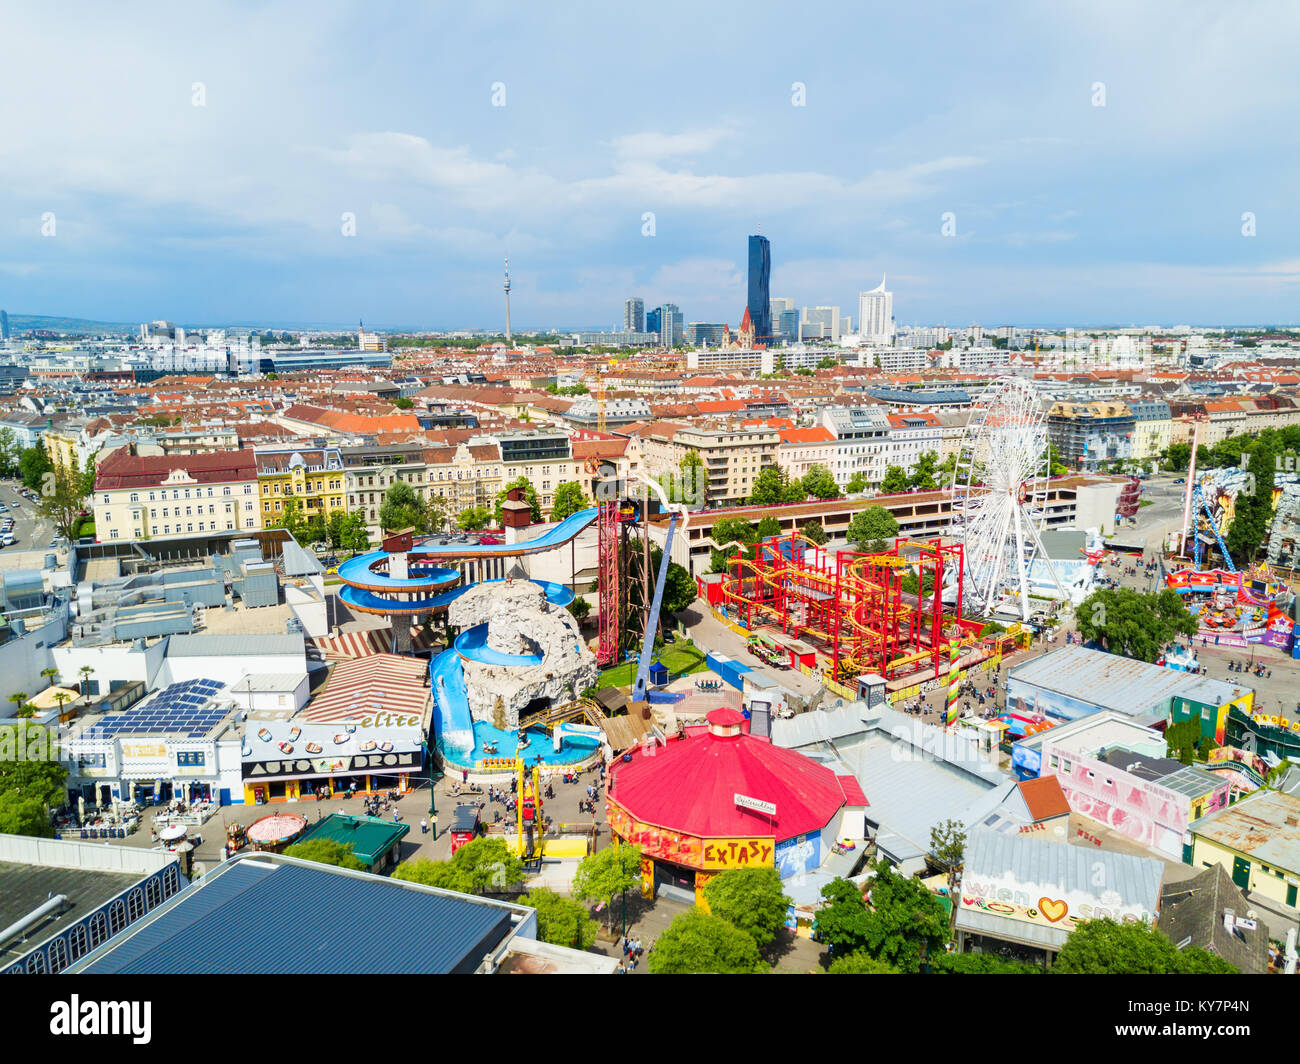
<point>1093,188</point>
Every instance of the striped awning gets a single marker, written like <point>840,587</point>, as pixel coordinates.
<point>348,645</point>
<point>377,683</point>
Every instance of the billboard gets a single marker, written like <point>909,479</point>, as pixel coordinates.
<point>799,855</point>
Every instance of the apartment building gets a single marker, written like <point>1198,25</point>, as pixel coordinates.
<point>465,475</point>
<point>544,457</point>
<point>1088,435</point>
<point>801,449</point>
<point>861,442</point>
<point>912,435</point>
<point>1151,426</point>
<point>313,477</point>
<point>144,497</point>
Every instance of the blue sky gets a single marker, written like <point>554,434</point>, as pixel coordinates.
<point>1065,212</point>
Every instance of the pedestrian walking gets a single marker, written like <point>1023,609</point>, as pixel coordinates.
<point>424,826</point>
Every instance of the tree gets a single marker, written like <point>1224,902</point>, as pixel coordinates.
<point>1182,740</point>
<point>1055,467</point>
<point>607,874</point>
<point>1177,457</point>
<point>699,943</point>
<point>767,527</point>
<point>87,671</point>
<point>561,921</point>
<point>827,363</point>
<point>21,708</point>
<point>858,483</point>
<point>580,607</point>
<point>860,963</point>
<point>50,675</point>
<point>401,508</point>
<point>326,851</point>
<point>403,402</point>
<point>870,528</point>
<point>8,453</point>
<point>530,496</point>
<point>61,500</point>
<point>1132,623</point>
<point>33,464</point>
<point>815,531</point>
<point>773,486</point>
<point>895,480</point>
<point>29,764</point>
<point>903,925</point>
<point>353,535</point>
<point>751,899</point>
<point>481,866</point>
<point>728,530</point>
<point>925,473</point>
<point>569,499</point>
<point>1104,947</point>
<point>23,815</point>
<point>1253,506</point>
<point>948,850</point>
<point>980,964</point>
<point>820,483</point>
<point>694,479</point>
<point>474,519</point>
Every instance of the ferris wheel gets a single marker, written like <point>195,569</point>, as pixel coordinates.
<point>999,495</point>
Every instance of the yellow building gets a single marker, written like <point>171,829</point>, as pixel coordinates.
<point>1257,841</point>
<point>144,497</point>
<point>311,476</point>
<point>61,447</point>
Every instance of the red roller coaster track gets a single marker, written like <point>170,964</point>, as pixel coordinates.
<point>607,533</point>
<point>852,606</point>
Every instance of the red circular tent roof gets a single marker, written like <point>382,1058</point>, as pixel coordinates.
<point>690,786</point>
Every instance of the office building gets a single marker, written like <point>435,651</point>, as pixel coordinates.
<point>634,315</point>
<point>4,325</point>
<point>704,333</point>
<point>760,277</point>
<point>671,328</point>
<point>653,320</point>
<point>876,316</point>
<point>822,323</point>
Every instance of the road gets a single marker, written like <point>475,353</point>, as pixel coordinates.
<point>32,532</point>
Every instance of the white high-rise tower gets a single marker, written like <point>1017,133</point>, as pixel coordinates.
<point>509,337</point>
<point>876,315</point>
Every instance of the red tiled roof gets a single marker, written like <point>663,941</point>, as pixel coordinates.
<point>1044,798</point>
<point>820,434</point>
<point>123,470</point>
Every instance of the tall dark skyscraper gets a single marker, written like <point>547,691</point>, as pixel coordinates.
<point>760,276</point>
<point>4,325</point>
<point>653,319</point>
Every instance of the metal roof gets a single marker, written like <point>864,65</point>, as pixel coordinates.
<point>234,646</point>
<point>914,776</point>
<point>1058,870</point>
<point>1112,681</point>
<point>265,915</point>
<point>1265,826</point>
<point>369,837</point>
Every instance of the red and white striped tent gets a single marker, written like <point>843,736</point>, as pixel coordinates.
<point>388,683</point>
<point>348,645</point>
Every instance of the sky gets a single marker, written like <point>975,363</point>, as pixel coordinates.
<point>1083,163</point>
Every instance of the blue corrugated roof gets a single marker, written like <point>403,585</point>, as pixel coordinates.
<point>276,917</point>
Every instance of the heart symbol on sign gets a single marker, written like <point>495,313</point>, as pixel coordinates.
<point>1053,910</point>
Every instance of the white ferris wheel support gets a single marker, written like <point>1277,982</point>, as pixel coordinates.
<point>999,495</point>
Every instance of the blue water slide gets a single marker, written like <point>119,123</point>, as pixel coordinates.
<point>472,645</point>
<point>453,726</point>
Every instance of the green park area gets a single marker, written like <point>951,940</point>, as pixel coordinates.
<point>678,658</point>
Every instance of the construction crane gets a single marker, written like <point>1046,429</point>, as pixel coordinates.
<point>599,392</point>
